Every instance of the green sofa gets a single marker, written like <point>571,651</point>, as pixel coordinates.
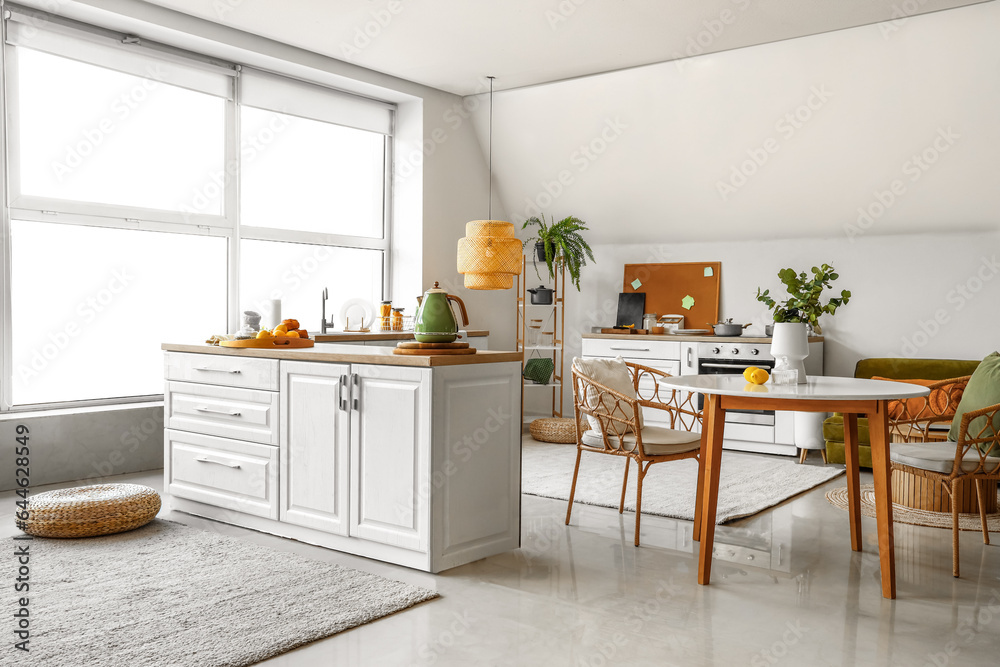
<point>898,369</point>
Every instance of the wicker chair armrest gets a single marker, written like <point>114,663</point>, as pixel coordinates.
<point>627,417</point>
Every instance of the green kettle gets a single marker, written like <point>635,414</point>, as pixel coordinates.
<point>435,320</point>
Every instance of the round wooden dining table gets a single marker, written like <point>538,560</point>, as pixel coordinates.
<point>850,396</point>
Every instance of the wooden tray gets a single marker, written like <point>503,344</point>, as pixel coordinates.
<point>270,343</point>
<point>413,345</point>
<point>404,350</point>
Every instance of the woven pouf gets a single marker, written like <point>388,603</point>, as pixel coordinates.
<point>561,430</point>
<point>101,509</point>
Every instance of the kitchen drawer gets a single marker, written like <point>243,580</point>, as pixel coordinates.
<point>231,474</point>
<point>638,349</point>
<point>241,414</point>
<point>222,370</point>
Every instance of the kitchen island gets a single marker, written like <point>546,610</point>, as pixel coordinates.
<point>413,460</point>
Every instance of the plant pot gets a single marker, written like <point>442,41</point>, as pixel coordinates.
<point>540,251</point>
<point>791,341</point>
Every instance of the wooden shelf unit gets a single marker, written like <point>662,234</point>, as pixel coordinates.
<point>555,311</point>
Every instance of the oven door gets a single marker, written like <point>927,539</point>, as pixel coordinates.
<point>736,367</point>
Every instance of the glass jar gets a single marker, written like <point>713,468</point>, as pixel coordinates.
<point>397,319</point>
<point>385,315</point>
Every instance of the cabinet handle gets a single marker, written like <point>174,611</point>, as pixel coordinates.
<point>343,392</point>
<point>355,390</point>
<point>632,349</point>
<point>231,413</point>
<point>218,370</point>
<point>690,357</point>
<point>202,459</point>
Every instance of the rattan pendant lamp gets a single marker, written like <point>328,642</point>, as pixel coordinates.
<point>489,255</point>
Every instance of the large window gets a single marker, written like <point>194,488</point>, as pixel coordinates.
<point>154,194</point>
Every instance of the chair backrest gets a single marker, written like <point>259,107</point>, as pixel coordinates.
<point>979,434</point>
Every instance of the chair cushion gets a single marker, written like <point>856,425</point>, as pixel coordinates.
<point>833,429</point>
<point>982,391</point>
<point>942,401</point>
<point>656,441</point>
<point>934,456</point>
<point>613,374</point>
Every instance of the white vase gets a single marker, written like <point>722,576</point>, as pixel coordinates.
<point>791,341</point>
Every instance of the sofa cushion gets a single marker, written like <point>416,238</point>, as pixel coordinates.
<point>942,401</point>
<point>982,391</point>
<point>913,369</point>
<point>613,374</point>
<point>656,441</point>
<point>833,429</point>
<point>936,456</point>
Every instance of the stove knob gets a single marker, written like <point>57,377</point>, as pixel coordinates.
<point>755,352</point>
<point>715,350</point>
<point>736,350</point>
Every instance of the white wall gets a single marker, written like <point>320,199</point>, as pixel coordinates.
<point>664,137</point>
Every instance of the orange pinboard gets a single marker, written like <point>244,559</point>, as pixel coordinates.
<point>666,285</point>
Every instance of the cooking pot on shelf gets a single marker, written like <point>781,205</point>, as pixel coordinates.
<point>727,328</point>
<point>435,321</point>
<point>541,295</point>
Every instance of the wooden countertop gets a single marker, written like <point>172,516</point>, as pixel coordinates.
<point>382,335</point>
<point>699,339</point>
<point>350,354</point>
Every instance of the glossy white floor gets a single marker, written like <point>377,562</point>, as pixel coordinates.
<point>790,593</point>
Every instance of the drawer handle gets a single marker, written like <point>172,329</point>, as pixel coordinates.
<point>218,370</point>
<point>231,413</point>
<point>202,459</point>
<point>632,349</point>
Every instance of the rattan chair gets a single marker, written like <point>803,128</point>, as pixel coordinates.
<point>620,434</point>
<point>974,458</point>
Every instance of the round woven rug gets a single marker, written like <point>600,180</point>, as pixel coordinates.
<point>902,514</point>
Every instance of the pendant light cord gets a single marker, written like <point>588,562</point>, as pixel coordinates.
<point>490,208</point>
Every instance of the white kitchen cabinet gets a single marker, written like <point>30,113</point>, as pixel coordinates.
<point>315,445</point>
<point>390,455</point>
<point>408,464</point>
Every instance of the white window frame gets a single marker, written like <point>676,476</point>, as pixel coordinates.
<point>14,205</point>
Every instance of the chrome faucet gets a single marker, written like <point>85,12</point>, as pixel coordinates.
<point>324,325</point>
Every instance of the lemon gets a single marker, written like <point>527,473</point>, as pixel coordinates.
<point>759,376</point>
<point>749,372</point>
<point>292,334</point>
<point>264,334</point>
<point>280,327</point>
<point>279,333</point>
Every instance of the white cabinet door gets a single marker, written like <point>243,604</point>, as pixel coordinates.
<point>390,454</point>
<point>314,443</point>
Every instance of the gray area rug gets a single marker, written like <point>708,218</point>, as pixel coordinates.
<point>747,483</point>
<point>166,594</point>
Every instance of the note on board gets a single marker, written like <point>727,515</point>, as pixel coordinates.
<point>687,302</point>
<point>709,272</point>
<point>636,284</point>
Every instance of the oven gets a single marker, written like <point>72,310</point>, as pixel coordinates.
<point>733,359</point>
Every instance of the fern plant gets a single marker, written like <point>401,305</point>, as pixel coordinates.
<point>804,303</point>
<point>563,244</point>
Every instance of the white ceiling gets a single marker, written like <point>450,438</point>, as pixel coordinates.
<point>453,45</point>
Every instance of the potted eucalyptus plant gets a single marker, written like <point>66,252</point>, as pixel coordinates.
<point>803,307</point>
<point>560,242</point>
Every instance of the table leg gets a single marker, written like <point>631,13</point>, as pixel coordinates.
<point>696,532</point>
<point>878,428</point>
<point>853,478</point>
<point>714,421</point>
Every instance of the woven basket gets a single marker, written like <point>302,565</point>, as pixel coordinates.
<point>85,511</point>
<point>554,429</point>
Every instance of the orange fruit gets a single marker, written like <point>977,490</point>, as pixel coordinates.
<point>292,334</point>
<point>281,327</point>
<point>279,333</point>
<point>264,334</point>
